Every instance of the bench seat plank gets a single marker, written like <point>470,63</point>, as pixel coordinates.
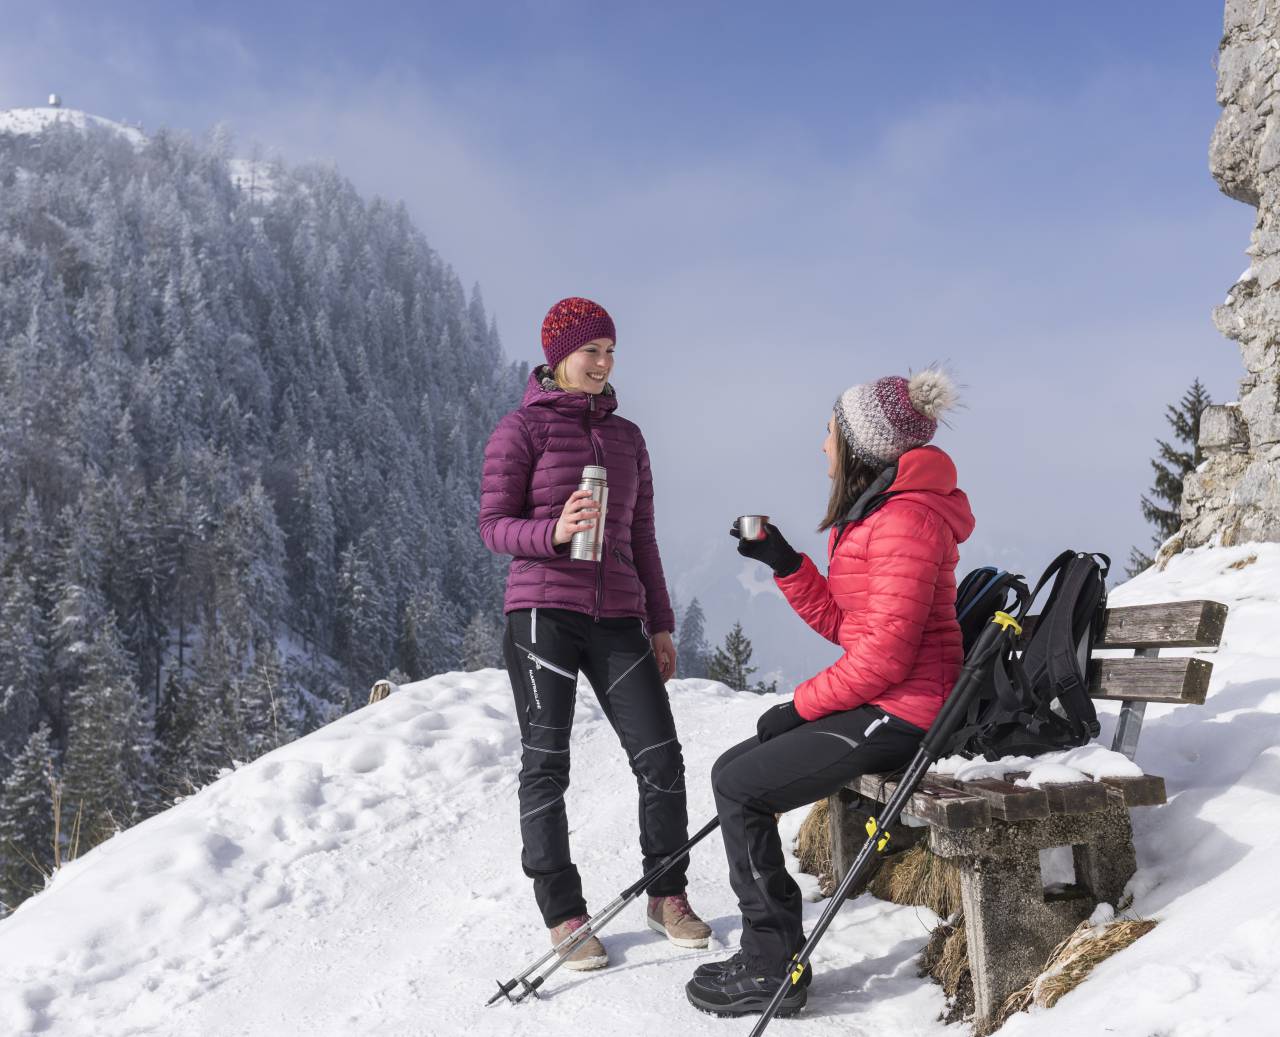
<point>933,803</point>
<point>1074,797</point>
<point>1144,791</point>
<point>1008,801</point>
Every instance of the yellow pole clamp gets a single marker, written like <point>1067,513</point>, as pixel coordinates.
<point>873,829</point>
<point>1006,621</point>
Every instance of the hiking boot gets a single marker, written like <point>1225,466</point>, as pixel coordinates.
<point>674,918</point>
<point>589,954</point>
<point>742,988</point>
<point>716,968</point>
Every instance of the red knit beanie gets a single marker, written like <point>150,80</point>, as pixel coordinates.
<point>570,324</point>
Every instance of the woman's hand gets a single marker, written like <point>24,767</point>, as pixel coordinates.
<point>665,652</point>
<point>580,512</point>
<point>773,550</point>
<point>778,720</point>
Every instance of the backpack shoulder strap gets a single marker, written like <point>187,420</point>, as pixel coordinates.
<point>1069,623</point>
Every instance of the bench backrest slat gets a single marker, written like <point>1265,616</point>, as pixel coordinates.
<point>1180,680</point>
<point>1171,624</point>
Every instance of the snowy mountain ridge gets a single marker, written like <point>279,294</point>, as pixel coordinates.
<point>365,879</point>
<point>254,177</point>
<point>25,121</point>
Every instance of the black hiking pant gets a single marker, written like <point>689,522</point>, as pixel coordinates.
<point>544,650</point>
<point>753,781</point>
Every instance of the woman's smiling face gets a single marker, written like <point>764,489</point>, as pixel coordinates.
<point>587,369</point>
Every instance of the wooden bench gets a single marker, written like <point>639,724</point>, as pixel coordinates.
<point>994,830</point>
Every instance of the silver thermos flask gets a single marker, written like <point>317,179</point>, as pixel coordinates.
<point>587,545</point>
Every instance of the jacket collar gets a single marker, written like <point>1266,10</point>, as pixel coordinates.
<point>925,475</point>
<point>542,391</point>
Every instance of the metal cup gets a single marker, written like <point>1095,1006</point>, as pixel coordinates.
<point>751,527</point>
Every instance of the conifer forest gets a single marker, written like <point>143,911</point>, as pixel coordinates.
<point>240,440</point>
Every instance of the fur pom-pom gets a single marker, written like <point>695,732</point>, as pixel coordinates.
<point>932,392</point>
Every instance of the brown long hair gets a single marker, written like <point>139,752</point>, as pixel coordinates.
<point>853,476</point>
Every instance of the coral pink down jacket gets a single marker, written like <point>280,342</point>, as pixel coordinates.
<point>889,598</point>
<point>532,463</point>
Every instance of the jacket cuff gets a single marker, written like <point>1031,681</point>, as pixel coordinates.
<point>784,581</point>
<point>800,701</point>
<point>550,547</point>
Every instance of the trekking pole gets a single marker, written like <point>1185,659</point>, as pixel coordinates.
<point>565,947</point>
<point>1001,628</point>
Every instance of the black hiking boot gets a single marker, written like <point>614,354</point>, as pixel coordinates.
<point>742,989</point>
<point>716,968</point>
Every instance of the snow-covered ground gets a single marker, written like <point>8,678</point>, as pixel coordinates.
<point>365,879</point>
<point>37,120</point>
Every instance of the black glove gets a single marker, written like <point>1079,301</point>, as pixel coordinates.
<point>773,550</point>
<point>778,720</point>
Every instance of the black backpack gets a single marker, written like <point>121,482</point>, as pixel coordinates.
<point>982,594</point>
<point>1037,700</point>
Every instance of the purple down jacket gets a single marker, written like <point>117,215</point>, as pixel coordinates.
<point>532,463</point>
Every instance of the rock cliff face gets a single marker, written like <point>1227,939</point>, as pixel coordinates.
<point>1234,496</point>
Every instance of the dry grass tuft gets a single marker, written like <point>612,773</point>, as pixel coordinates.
<point>919,877</point>
<point>1072,961</point>
<point>813,842</point>
<point>946,959</point>
<point>1243,562</point>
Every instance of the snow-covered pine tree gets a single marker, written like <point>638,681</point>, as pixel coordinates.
<point>314,560</point>
<point>364,630</point>
<point>26,821</point>
<point>482,642</point>
<point>431,635</point>
<point>22,665</point>
<point>692,651</point>
<point>262,718</point>
<point>108,751</point>
<point>248,571</point>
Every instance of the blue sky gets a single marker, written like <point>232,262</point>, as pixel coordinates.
<point>774,202</point>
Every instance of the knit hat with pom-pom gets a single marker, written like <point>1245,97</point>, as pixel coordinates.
<point>882,420</point>
<point>570,324</point>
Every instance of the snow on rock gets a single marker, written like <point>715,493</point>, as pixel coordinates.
<point>37,120</point>
<point>366,880</point>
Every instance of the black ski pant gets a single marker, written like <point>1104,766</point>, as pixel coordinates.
<point>753,781</point>
<point>544,650</point>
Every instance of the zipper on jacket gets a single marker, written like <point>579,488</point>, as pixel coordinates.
<point>600,580</point>
<point>623,558</point>
<point>595,453</point>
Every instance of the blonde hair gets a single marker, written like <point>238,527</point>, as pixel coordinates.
<point>562,380</point>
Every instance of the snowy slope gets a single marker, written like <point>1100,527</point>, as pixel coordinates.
<point>37,120</point>
<point>365,879</point>
<point>254,178</point>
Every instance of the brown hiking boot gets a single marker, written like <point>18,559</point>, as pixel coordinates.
<point>589,954</point>
<point>674,918</point>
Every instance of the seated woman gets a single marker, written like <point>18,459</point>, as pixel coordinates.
<point>888,600</point>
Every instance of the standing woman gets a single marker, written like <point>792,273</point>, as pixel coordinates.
<point>888,600</point>
<point>610,620</point>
